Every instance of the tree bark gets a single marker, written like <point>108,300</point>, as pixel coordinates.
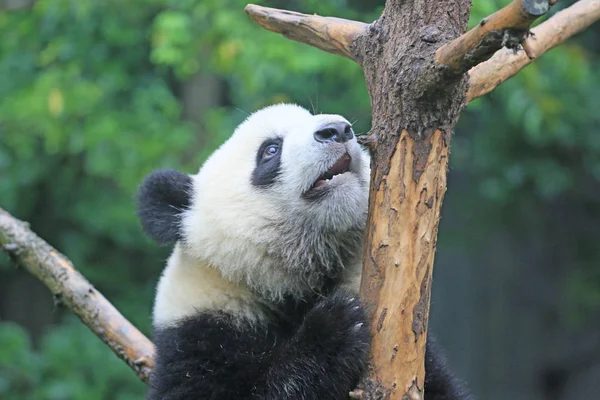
<point>415,103</point>
<point>403,223</point>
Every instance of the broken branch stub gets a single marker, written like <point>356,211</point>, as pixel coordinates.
<point>507,27</point>
<point>333,35</point>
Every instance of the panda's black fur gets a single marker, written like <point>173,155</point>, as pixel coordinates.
<point>162,197</point>
<point>227,334</point>
<point>318,354</point>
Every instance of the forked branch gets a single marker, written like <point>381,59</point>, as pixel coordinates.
<point>334,35</point>
<point>486,76</point>
<point>507,27</point>
<point>71,289</point>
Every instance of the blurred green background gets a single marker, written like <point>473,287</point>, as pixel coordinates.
<point>96,94</point>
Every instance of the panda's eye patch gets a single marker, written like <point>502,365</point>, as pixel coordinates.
<point>268,162</point>
<point>270,151</point>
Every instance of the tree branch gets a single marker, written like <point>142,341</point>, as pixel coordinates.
<point>334,35</point>
<point>70,288</point>
<point>506,27</point>
<point>506,63</point>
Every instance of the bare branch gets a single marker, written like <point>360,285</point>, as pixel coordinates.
<point>506,63</point>
<point>70,288</point>
<point>507,27</point>
<point>334,35</point>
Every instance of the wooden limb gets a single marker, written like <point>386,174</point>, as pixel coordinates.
<point>507,27</point>
<point>334,35</point>
<point>506,63</point>
<point>70,288</point>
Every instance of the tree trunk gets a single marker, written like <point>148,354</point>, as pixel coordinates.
<point>416,104</point>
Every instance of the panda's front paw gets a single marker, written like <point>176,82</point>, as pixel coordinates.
<point>338,327</point>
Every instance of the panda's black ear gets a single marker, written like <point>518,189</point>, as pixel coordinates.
<point>161,199</point>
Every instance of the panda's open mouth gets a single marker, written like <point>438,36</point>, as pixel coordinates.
<point>329,177</point>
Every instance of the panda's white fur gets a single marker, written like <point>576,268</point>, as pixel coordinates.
<point>236,235</point>
<point>188,285</point>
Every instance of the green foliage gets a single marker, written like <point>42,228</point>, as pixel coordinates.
<point>71,364</point>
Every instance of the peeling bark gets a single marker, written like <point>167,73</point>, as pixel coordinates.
<point>403,221</point>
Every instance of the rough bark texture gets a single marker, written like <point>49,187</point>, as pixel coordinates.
<point>70,288</point>
<point>506,63</point>
<point>416,103</point>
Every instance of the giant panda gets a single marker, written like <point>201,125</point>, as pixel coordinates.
<point>259,296</point>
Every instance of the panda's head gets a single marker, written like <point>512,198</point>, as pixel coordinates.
<point>280,206</point>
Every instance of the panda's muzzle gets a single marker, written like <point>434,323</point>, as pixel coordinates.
<point>341,166</point>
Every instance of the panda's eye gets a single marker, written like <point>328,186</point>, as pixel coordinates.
<point>270,151</point>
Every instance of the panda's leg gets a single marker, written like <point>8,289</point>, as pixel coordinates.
<point>440,382</point>
<point>326,356</point>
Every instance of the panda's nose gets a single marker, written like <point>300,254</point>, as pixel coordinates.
<point>339,132</point>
